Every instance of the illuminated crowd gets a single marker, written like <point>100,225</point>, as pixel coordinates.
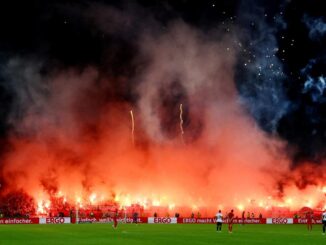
<point>19,204</point>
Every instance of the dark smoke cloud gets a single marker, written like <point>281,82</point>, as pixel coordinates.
<point>260,72</point>
<point>292,104</point>
<point>316,26</point>
<point>303,127</point>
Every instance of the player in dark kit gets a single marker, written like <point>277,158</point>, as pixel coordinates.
<point>230,220</point>
<point>135,218</point>
<point>115,219</point>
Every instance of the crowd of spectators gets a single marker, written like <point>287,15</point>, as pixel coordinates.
<point>20,205</point>
<point>17,204</point>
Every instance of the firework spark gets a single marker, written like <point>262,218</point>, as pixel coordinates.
<point>181,124</point>
<point>132,128</point>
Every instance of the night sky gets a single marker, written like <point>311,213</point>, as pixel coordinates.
<point>279,73</point>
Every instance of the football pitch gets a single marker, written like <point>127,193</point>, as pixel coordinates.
<point>159,234</point>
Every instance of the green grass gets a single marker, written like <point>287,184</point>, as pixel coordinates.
<point>159,234</point>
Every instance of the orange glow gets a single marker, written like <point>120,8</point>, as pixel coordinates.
<point>289,201</point>
<point>78,200</point>
<point>240,207</point>
<point>92,198</point>
<point>156,203</point>
<point>171,206</point>
<point>324,189</point>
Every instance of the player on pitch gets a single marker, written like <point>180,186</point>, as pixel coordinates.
<point>309,220</point>
<point>323,217</point>
<point>230,220</point>
<point>115,219</point>
<point>219,220</point>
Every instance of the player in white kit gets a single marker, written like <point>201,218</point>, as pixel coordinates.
<point>323,217</point>
<point>219,220</point>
